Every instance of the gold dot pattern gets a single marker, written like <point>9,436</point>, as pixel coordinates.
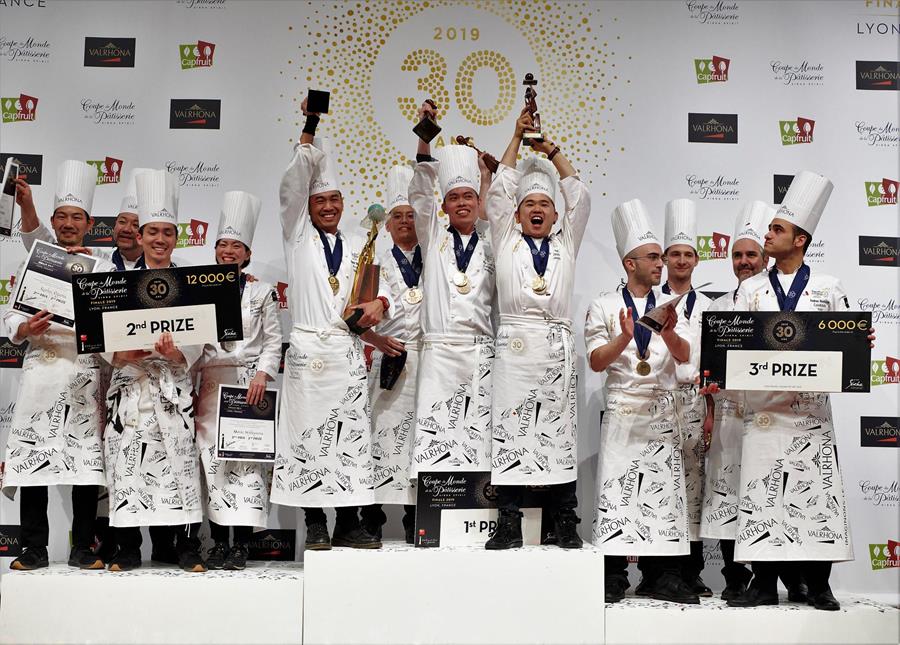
<point>340,45</point>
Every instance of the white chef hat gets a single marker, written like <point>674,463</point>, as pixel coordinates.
<point>75,184</point>
<point>325,178</point>
<point>129,199</point>
<point>538,176</point>
<point>681,223</point>
<point>397,194</point>
<point>157,197</point>
<point>753,222</point>
<point>631,227</point>
<point>458,168</point>
<point>805,200</point>
<point>240,212</point>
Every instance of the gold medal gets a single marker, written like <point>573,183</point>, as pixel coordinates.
<point>413,295</point>
<point>539,285</point>
<point>643,368</point>
<point>335,284</point>
<point>461,281</point>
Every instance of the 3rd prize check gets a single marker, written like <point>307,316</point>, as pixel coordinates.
<point>129,310</point>
<point>778,351</point>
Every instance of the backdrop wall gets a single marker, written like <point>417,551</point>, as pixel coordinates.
<point>624,87</point>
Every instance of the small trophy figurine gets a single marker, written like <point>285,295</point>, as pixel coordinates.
<point>489,160</point>
<point>535,136</point>
<point>427,129</point>
<point>365,280</point>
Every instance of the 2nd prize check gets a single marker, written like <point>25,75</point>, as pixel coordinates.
<point>128,310</point>
<point>778,351</point>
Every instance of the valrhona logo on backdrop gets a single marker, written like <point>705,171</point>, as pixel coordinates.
<point>108,52</point>
<point>712,128</point>
<point>882,193</point>
<point>713,247</point>
<point>714,188</point>
<point>19,108</point>
<point>797,131</point>
<point>878,251</point>
<point>885,556</point>
<point>29,50</point>
<point>711,70</point>
<point>714,13</point>
<point>273,544</point>
<point>11,355</point>
<point>10,540</point>
<point>879,432</point>
<point>109,170</point>
<point>802,73</point>
<point>199,54</point>
<point>781,185</point>
<point>31,166</point>
<point>201,114</point>
<point>883,134</point>
<point>886,371</point>
<point>101,233</point>
<point>877,74</point>
<point>192,234</point>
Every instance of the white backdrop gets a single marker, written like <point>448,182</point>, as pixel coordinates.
<point>617,83</point>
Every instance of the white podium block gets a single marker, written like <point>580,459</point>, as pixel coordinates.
<point>401,594</point>
<point>262,604</point>
<point>642,620</point>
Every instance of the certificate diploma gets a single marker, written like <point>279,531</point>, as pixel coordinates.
<point>246,432</point>
<point>47,281</point>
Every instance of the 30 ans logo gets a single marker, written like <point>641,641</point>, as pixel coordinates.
<point>20,108</point>
<point>109,170</point>
<point>713,247</point>
<point>711,70</point>
<point>886,371</point>
<point>7,288</point>
<point>797,131</point>
<point>196,55</point>
<point>885,556</point>
<point>882,193</point>
<point>191,234</point>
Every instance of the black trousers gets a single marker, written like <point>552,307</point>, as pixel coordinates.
<point>692,564</point>
<point>814,572</point>
<point>374,515</point>
<point>732,571</point>
<point>219,533</point>
<point>650,566</point>
<point>33,502</point>
<point>130,537</point>
<point>563,497</point>
<point>347,517</point>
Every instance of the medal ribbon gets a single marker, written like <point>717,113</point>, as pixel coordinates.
<point>463,256</point>
<point>539,257</point>
<point>789,302</point>
<point>333,256</point>
<point>691,299</point>
<point>410,272</point>
<point>642,335</point>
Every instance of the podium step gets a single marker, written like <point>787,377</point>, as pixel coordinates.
<point>262,604</point>
<point>642,620</point>
<point>402,594</point>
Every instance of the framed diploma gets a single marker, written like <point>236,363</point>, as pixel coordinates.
<point>127,310</point>
<point>246,432</point>
<point>47,281</point>
<point>807,351</point>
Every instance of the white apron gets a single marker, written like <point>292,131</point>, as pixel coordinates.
<point>534,416</point>
<point>723,468</point>
<point>150,448</point>
<point>323,446</point>
<point>393,430</point>
<point>237,491</point>
<point>453,404</point>
<point>56,429</point>
<point>640,476</point>
<point>693,411</point>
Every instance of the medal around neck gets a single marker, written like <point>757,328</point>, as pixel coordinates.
<point>334,283</point>
<point>539,285</point>
<point>413,295</point>
<point>643,367</point>
<point>461,282</point>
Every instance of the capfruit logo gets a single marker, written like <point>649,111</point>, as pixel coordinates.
<point>882,193</point>
<point>19,108</point>
<point>713,247</point>
<point>797,131</point>
<point>192,234</point>
<point>199,54</point>
<point>885,372</point>
<point>885,556</point>
<point>711,70</point>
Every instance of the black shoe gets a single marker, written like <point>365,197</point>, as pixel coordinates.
<point>107,551</point>
<point>644,587</point>
<point>164,555</point>
<point>237,557</point>
<point>409,534</point>
<point>84,558</point>
<point>824,601</point>
<point>798,592</point>
<point>614,589</point>
<point>508,534</point>
<point>189,560</point>
<point>355,538</point>
<point>372,529</point>
<point>699,587</point>
<point>34,557</point>
<point>125,560</point>
<point>215,557</point>
<point>566,529</point>
<point>754,597</point>
<point>670,587</point>
<point>734,589</point>
<point>317,537</point>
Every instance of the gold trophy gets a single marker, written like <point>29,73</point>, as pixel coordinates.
<point>365,280</point>
<point>535,135</point>
<point>489,160</point>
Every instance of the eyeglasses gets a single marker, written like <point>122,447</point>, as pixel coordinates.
<point>653,257</point>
